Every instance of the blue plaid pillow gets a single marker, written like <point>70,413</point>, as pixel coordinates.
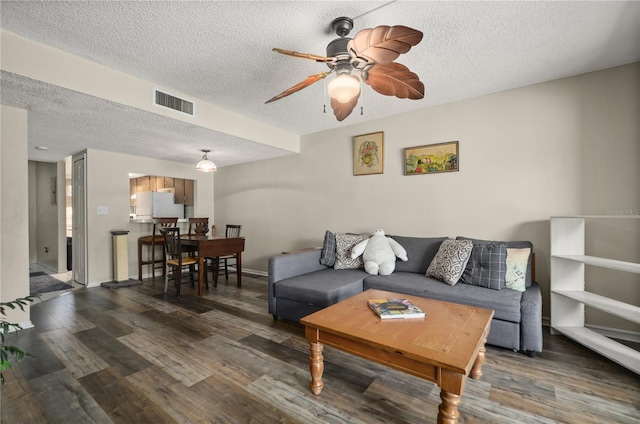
<point>328,255</point>
<point>487,266</point>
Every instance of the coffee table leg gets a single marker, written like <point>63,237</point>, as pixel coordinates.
<point>476,371</point>
<point>448,409</point>
<point>316,366</point>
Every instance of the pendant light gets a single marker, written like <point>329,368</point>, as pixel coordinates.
<point>205,165</point>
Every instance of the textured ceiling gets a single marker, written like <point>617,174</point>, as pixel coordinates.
<point>220,52</point>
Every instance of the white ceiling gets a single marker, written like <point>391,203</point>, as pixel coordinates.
<point>220,52</point>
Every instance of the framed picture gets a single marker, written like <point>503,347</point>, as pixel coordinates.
<point>368,154</point>
<point>431,159</point>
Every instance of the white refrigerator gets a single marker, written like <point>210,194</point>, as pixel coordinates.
<point>151,204</point>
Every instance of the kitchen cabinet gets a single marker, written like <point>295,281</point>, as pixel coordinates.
<point>159,183</point>
<point>178,190</point>
<point>142,184</point>
<point>189,192</point>
<point>132,191</point>
<point>183,189</point>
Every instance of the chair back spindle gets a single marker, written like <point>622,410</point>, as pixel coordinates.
<point>233,231</point>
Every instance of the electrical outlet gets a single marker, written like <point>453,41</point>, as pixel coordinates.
<point>103,210</point>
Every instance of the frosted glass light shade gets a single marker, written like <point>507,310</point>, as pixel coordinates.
<point>344,87</point>
<point>205,165</point>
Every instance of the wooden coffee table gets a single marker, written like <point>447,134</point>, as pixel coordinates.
<point>445,347</point>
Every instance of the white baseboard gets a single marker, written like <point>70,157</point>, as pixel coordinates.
<point>255,272</point>
<point>244,271</point>
<point>23,325</point>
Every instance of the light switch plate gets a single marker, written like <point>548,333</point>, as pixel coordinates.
<point>103,210</point>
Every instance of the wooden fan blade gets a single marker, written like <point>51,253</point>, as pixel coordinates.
<point>299,86</point>
<point>395,79</point>
<point>317,58</point>
<point>342,110</point>
<point>383,44</point>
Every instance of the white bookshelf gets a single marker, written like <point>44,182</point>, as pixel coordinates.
<point>568,294</point>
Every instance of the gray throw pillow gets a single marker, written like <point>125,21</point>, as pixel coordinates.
<point>450,261</point>
<point>344,243</point>
<point>328,254</point>
<point>487,266</point>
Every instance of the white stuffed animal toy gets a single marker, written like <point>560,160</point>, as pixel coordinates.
<point>379,253</point>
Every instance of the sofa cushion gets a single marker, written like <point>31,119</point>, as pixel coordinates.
<point>505,303</point>
<point>344,243</point>
<point>510,244</point>
<point>450,261</point>
<point>517,260</point>
<point>321,288</point>
<point>328,254</point>
<point>420,252</point>
<point>487,266</point>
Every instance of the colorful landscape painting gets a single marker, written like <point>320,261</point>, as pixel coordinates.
<point>431,159</point>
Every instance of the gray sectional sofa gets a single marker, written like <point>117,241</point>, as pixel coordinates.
<point>300,285</point>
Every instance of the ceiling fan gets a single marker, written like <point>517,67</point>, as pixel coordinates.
<point>371,54</point>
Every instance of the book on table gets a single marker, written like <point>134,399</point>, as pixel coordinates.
<point>395,308</point>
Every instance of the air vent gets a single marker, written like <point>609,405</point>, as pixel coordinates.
<point>172,102</point>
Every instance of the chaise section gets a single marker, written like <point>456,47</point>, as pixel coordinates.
<point>315,290</point>
<point>299,285</point>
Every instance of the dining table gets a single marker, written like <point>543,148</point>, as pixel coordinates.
<point>214,246</point>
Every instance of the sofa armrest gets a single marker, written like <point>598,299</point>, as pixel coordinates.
<point>531,320</point>
<point>291,265</point>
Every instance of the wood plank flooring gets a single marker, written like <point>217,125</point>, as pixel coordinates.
<point>133,355</point>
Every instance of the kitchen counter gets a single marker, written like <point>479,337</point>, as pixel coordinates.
<point>150,220</point>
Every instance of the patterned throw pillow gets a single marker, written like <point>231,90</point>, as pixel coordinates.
<point>450,261</point>
<point>344,243</point>
<point>487,266</point>
<point>328,255</point>
<point>516,276</point>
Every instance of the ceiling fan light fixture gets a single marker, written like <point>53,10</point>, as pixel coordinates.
<point>205,165</point>
<point>344,87</point>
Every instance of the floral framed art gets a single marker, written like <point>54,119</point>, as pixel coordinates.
<point>431,158</point>
<point>368,154</point>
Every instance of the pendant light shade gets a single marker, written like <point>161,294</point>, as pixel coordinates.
<point>205,165</point>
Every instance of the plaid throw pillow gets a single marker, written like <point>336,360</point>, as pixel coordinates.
<point>328,255</point>
<point>487,266</point>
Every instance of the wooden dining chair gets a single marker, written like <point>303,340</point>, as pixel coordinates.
<point>199,226</point>
<point>175,260</point>
<point>153,240</point>
<point>221,263</point>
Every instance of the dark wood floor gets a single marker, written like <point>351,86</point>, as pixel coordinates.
<point>133,355</point>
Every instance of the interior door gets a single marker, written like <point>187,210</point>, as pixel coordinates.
<point>79,220</point>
